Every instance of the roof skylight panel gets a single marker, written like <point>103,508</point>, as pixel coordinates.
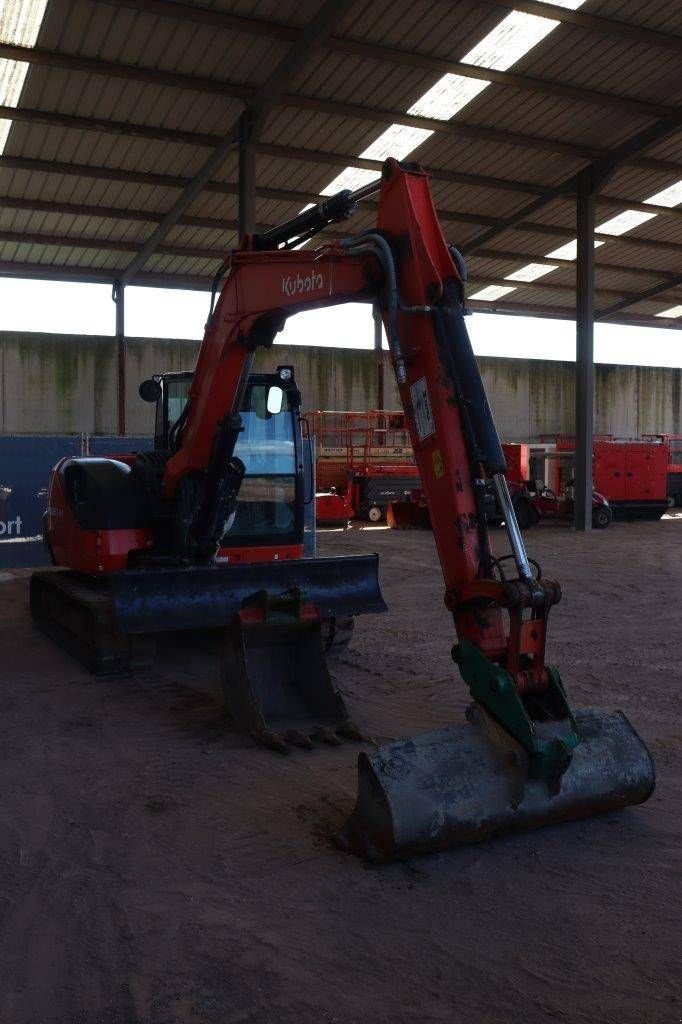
<point>447,97</point>
<point>531,272</point>
<point>398,140</point>
<point>625,221</point>
<point>492,292</point>
<point>20,22</point>
<point>569,251</point>
<point>670,196</point>
<point>509,41</point>
<point>350,177</point>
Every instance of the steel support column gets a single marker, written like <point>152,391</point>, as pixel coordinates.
<point>379,353</point>
<point>118,295</point>
<point>584,355</point>
<point>247,177</point>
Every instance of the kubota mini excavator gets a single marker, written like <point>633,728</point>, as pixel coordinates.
<point>105,517</point>
<point>525,758</point>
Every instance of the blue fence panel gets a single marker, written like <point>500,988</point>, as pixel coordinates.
<point>25,464</point>
<point>111,445</point>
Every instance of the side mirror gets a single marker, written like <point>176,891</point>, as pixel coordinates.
<point>275,399</point>
<point>150,390</point>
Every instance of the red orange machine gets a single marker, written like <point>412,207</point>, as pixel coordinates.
<point>364,461</point>
<point>635,476</point>
<point>524,758</point>
<point>672,444</point>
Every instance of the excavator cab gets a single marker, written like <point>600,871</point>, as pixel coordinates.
<point>275,504</point>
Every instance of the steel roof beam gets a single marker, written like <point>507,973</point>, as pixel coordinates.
<point>436,173</point>
<point>284,195</point>
<point>633,300</point>
<point>111,212</point>
<point>99,275</point>
<point>565,313</point>
<point>128,72</point>
<point>55,119</point>
<point>263,149</point>
<point>627,204</point>
<point>205,253</point>
<point>288,195</point>
<point>393,55</point>
<point>228,188</point>
<point>552,231</point>
<point>595,23</point>
<point>107,244</point>
<point>454,128</point>
<point>659,166</point>
<point>223,225</point>
<point>343,110</point>
<point>544,261</point>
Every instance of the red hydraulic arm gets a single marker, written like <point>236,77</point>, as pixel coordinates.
<point>406,265</point>
<point>261,290</point>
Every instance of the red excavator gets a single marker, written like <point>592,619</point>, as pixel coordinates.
<point>524,758</point>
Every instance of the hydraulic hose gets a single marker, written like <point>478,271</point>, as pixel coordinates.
<point>376,245</point>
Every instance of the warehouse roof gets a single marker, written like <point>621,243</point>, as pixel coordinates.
<point>113,107</point>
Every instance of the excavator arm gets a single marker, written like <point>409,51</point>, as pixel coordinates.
<point>407,267</point>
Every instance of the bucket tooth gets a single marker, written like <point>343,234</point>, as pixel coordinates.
<point>327,735</point>
<point>350,731</point>
<point>450,788</point>
<point>299,739</point>
<point>271,740</point>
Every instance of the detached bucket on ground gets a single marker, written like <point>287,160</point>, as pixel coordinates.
<point>276,684</point>
<point>454,787</point>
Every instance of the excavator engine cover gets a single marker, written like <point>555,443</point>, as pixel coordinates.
<point>274,675</point>
<point>468,783</point>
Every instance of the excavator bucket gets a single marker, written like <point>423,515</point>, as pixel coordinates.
<point>468,783</point>
<point>407,515</point>
<point>274,675</point>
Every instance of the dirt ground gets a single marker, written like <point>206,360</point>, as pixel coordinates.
<point>156,867</point>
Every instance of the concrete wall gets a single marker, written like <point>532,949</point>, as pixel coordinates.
<point>67,384</point>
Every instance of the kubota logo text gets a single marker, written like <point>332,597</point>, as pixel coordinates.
<point>302,285</point>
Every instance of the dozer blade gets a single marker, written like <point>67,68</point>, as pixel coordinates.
<point>166,600</point>
<point>452,787</point>
<point>276,684</point>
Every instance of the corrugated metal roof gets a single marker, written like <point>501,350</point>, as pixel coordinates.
<point>75,194</point>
